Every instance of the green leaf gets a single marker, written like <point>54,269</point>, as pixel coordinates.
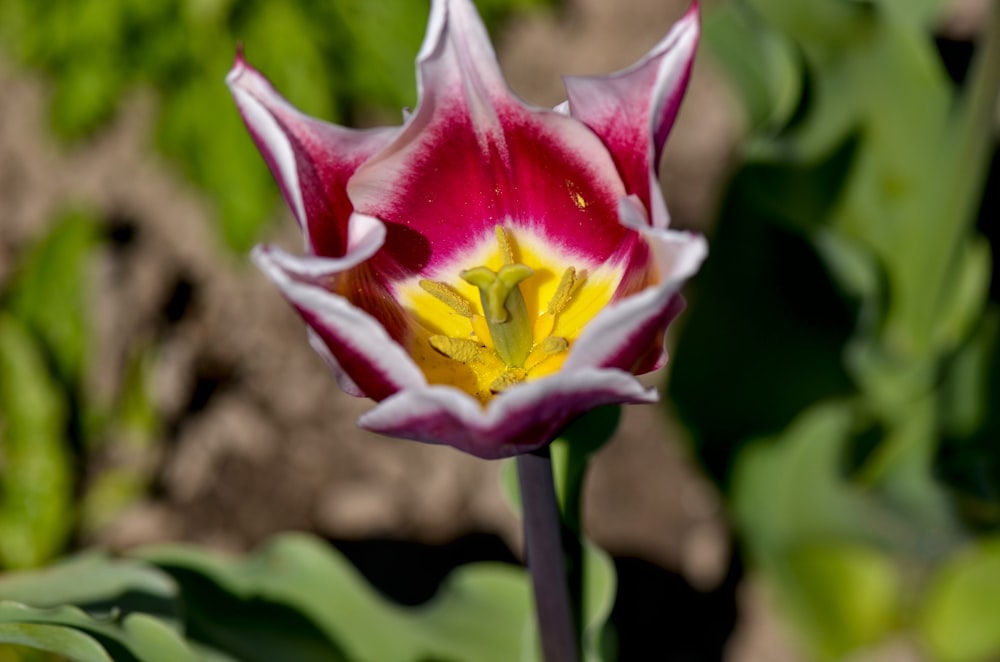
<point>154,641</point>
<point>297,594</point>
<point>36,481</point>
<point>958,621</point>
<point>134,638</point>
<point>93,580</point>
<point>73,644</point>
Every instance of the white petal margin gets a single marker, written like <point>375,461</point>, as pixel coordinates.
<point>519,420</point>
<point>623,328</point>
<point>455,26</point>
<point>365,235</point>
<point>329,153</point>
<point>344,381</point>
<point>384,366</point>
<point>638,105</point>
<point>248,87</point>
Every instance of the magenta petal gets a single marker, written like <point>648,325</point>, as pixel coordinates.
<point>628,334</point>
<point>311,160</point>
<point>472,156</point>
<point>633,110</point>
<point>361,349</point>
<point>523,418</point>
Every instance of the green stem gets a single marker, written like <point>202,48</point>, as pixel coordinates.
<point>544,555</point>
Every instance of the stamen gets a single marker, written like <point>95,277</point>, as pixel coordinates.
<point>547,348</point>
<point>447,295</point>
<point>505,247</point>
<point>560,299</point>
<point>544,324</point>
<point>460,349</point>
<point>507,379</point>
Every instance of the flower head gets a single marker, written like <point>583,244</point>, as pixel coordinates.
<point>488,270</point>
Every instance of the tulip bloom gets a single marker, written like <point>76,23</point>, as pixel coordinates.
<point>488,270</point>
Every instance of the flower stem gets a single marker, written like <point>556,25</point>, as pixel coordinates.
<point>544,555</point>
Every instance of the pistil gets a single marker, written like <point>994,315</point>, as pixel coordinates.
<point>504,309</point>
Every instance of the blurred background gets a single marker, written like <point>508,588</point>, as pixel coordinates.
<point>823,478</point>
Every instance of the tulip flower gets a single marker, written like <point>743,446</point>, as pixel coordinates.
<point>488,270</point>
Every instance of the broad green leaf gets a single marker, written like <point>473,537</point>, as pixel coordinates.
<point>36,482</point>
<point>72,644</point>
<point>298,594</point>
<point>134,638</point>
<point>959,617</point>
<point>154,641</point>
<point>90,580</point>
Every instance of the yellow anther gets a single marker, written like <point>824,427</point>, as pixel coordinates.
<point>505,247</point>
<point>460,349</point>
<point>507,379</point>
<point>561,298</point>
<point>547,348</point>
<point>447,295</point>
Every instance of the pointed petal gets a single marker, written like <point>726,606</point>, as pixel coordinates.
<point>633,110</point>
<point>310,159</point>
<point>364,355</point>
<point>628,334</point>
<point>523,418</point>
<point>472,156</point>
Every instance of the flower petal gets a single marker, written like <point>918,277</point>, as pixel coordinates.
<point>361,349</point>
<point>633,110</point>
<point>311,160</point>
<point>472,156</point>
<point>628,334</point>
<point>523,418</point>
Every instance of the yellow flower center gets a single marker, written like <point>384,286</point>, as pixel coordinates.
<point>513,317</point>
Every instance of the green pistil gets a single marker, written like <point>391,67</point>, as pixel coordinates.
<point>504,309</point>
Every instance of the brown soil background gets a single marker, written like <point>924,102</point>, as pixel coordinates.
<point>258,438</point>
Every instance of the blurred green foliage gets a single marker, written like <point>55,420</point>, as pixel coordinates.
<point>843,339</point>
<point>51,424</point>
<point>348,61</point>
<point>295,599</point>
